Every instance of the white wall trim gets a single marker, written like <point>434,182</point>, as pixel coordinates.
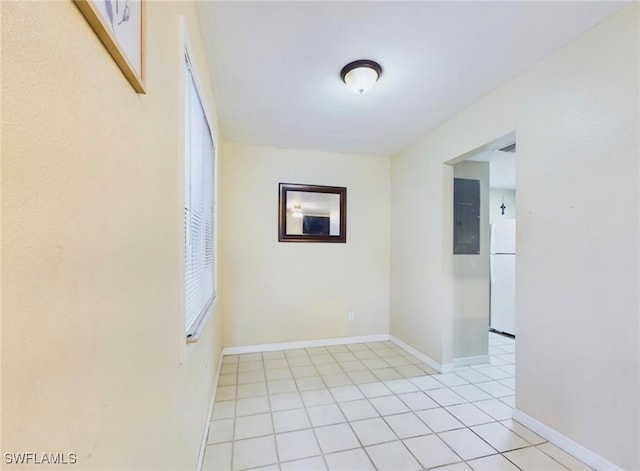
<point>272,347</point>
<point>421,356</point>
<point>205,434</point>
<point>468,361</point>
<point>587,456</point>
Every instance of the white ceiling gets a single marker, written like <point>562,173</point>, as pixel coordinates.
<point>314,203</point>
<point>502,168</point>
<point>276,65</point>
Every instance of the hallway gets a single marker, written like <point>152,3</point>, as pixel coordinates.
<point>142,217</point>
<point>371,406</point>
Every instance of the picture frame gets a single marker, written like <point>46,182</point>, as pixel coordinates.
<point>312,213</point>
<point>120,26</point>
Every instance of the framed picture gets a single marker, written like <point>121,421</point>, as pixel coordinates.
<point>312,213</point>
<point>120,26</point>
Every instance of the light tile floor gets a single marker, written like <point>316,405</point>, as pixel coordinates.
<point>371,406</point>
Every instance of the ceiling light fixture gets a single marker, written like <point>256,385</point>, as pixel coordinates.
<point>361,75</point>
<point>297,211</point>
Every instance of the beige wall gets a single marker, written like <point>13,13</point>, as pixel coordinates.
<point>471,276</point>
<point>577,311</point>
<point>92,246</point>
<point>279,292</point>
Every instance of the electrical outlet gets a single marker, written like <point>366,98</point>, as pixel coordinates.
<point>352,316</point>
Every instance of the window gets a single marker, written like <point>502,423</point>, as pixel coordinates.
<point>199,210</point>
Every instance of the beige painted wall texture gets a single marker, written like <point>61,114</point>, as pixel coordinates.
<point>92,246</point>
<point>280,292</point>
<point>471,276</point>
<point>576,117</point>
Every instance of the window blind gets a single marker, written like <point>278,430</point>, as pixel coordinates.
<point>199,207</point>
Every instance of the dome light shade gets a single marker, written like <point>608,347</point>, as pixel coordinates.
<point>361,75</point>
<point>297,211</point>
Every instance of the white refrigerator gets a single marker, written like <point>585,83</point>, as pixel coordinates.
<point>503,276</point>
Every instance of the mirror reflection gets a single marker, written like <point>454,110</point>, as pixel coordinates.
<point>312,213</point>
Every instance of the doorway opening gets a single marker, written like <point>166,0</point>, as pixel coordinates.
<point>480,232</point>
<point>502,238</point>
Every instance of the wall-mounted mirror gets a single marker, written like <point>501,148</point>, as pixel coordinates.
<point>312,213</point>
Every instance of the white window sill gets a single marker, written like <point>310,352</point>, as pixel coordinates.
<point>196,330</point>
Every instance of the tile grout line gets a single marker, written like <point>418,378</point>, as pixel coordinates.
<point>348,422</point>
<point>393,393</point>
<point>273,423</point>
<point>235,413</point>
<point>306,412</point>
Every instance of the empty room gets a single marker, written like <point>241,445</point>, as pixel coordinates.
<point>324,235</point>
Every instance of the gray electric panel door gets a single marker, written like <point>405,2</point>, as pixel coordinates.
<point>466,216</point>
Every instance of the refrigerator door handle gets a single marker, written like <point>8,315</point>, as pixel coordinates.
<point>492,230</point>
<point>492,269</point>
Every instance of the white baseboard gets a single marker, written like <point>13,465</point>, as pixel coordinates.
<point>420,356</point>
<point>468,361</point>
<point>272,347</point>
<point>585,455</point>
<point>205,434</point>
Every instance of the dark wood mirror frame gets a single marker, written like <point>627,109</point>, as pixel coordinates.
<point>282,213</point>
